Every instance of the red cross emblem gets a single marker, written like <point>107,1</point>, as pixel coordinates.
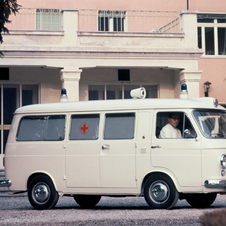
<point>84,128</point>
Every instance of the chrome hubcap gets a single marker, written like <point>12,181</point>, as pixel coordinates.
<point>41,193</point>
<point>159,192</point>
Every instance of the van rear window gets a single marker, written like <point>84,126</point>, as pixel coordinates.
<point>41,128</point>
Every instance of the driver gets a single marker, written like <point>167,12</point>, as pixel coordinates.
<point>170,130</point>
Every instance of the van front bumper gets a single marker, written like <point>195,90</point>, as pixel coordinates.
<point>5,183</point>
<point>215,183</point>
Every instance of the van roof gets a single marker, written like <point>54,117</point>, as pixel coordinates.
<point>128,104</point>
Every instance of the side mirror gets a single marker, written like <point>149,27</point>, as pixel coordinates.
<point>188,134</point>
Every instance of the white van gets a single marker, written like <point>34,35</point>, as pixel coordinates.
<point>112,148</point>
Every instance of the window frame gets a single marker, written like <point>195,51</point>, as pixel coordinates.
<point>85,114</point>
<point>212,21</point>
<point>132,114</point>
<point>101,91</point>
<point>106,20</point>
<point>45,17</point>
<point>46,128</point>
<point>181,125</point>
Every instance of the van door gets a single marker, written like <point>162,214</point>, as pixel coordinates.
<point>82,151</point>
<point>180,156</point>
<point>117,151</point>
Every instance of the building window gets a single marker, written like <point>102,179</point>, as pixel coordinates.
<point>111,20</point>
<point>48,19</point>
<point>109,92</point>
<point>212,33</point>
<point>209,40</point>
<point>222,41</point>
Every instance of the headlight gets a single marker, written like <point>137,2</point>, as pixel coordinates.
<point>223,161</point>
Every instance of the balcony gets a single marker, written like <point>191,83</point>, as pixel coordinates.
<point>98,20</point>
<point>72,29</point>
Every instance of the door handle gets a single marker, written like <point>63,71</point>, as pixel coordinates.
<point>106,146</point>
<point>155,146</point>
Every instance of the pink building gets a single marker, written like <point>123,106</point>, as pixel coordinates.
<point>101,49</point>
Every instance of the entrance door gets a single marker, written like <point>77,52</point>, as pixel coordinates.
<point>180,156</point>
<point>12,97</point>
<point>117,158</point>
<point>9,103</point>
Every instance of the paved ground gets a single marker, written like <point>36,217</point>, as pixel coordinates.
<point>109,211</point>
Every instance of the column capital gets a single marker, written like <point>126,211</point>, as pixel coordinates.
<point>192,79</point>
<point>70,81</point>
<point>190,76</point>
<point>70,75</point>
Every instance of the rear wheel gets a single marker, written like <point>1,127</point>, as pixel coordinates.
<point>42,193</point>
<point>160,192</point>
<point>87,201</point>
<point>201,200</point>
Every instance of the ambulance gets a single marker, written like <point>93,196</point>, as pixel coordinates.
<point>90,149</point>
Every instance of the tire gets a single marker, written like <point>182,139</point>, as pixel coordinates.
<point>87,201</point>
<point>201,200</point>
<point>42,193</point>
<point>160,192</point>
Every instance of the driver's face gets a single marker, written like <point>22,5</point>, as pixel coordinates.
<point>174,121</point>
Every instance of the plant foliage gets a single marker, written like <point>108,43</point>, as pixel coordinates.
<point>7,7</point>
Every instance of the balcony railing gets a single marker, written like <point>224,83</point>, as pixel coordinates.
<point>98,20</point>
<point>128,21</point>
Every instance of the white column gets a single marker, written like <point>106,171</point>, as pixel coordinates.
<point>191,79</point>
<point>70,26</point>
<point>188,26</point>
<point>70,81</point>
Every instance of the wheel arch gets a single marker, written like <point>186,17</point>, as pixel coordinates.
<point>32,176</point>
<point>157,173</point>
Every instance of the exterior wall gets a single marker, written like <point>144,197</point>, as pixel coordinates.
<point>138,76</point>
<point>49,85</point>
<point>214,71</point>
<point>201,5</point>
<point>72,51</point>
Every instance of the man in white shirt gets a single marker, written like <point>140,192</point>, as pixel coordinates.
<point>170,130</point>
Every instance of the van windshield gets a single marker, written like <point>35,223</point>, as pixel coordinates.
<point>211,123</point>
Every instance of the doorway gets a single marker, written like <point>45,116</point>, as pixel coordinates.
<point>11,98</point>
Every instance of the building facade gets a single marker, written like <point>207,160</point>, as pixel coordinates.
<point>102,49</point>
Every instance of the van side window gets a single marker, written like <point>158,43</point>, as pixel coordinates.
<point>41,128</point>
<point>84,127</point>
<point>119,126</point>
<point>174,125</point>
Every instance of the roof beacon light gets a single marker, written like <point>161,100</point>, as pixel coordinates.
<point>63,96</point>
<point>184,91</point>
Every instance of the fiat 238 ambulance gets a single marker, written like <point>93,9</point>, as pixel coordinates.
<point>113,148</point>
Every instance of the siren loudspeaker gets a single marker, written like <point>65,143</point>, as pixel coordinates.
<point>138,93</point>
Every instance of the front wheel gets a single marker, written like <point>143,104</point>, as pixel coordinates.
<point>201,200</point>
<point>160,192</point>
<point>87,201</point>
<point>42,193</point>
